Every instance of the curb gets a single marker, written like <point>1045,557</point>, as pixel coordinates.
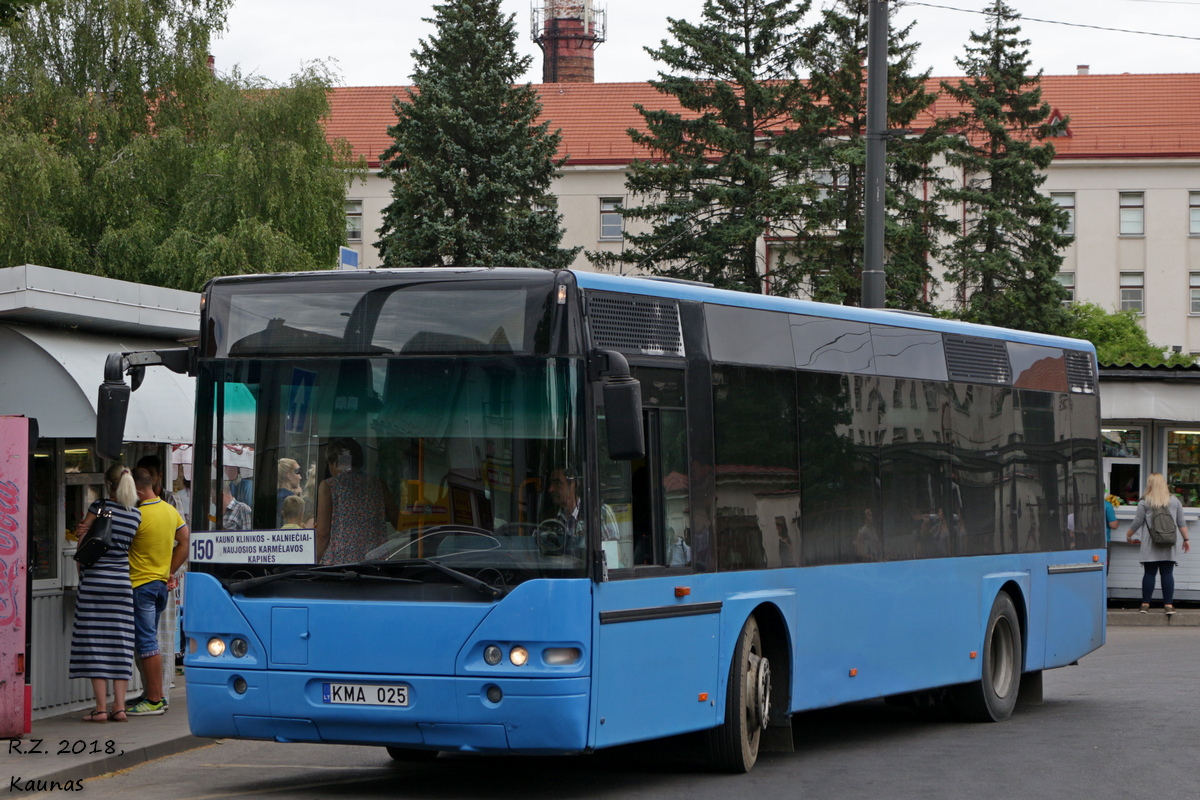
<point>97,767</point>
<point>130,758</point>
<point>1183,618</point>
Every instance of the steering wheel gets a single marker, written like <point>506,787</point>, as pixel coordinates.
<point>552,537</point>
<point>517,529</point>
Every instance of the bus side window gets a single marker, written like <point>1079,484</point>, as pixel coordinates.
<point>660,492</point>
<point>616,493</point>
<point>646,500</point>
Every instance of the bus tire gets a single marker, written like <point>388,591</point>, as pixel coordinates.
<point>410,755</point>
<point>733,745</point>
<point>993,696</point>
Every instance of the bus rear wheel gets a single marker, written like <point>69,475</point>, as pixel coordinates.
<point>409,755</point>
<point>993,697</point>
<point>734,743</point>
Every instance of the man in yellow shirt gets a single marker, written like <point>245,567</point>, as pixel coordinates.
<point>158,550</point>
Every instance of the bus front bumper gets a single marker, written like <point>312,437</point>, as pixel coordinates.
<point>539,715</point>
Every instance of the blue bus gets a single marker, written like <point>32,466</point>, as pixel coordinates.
<point>553,511</point>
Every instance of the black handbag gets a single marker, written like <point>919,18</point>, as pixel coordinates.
<point>96,541</point>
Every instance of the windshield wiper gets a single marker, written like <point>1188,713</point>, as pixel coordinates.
<point>494,592</point>
<point>337,572</point>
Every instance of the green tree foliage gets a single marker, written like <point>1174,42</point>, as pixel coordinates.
<point>10,12</point>
<point>732,165</point>
<point>828,258</point>
<point>471,166</point>
<point>1119,337</point>
<point>129,158</point>
<point>1005,262</point>
<point>259,189</point>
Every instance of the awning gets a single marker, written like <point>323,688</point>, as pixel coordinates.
<point>1131,400</point>
<point>53,375</point>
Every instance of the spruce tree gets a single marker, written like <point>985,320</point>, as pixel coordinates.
<point>471,166</point>
<point>729,168</point>
<point>1004,265</point>
<point>827,259</point>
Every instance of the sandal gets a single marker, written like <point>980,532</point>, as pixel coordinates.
<point>118,716</point>
<point>97,716</point>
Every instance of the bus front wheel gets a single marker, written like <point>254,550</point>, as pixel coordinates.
<point>734,743</point>
<point>992,698</point>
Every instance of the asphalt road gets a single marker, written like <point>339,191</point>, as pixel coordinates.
<point>1124,724</point>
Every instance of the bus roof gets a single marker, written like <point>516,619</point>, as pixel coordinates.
<point>684,290</point>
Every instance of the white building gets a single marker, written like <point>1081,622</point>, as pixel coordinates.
<point>1128,169</point>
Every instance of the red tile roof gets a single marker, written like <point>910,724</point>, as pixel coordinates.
<point>1111,116</point>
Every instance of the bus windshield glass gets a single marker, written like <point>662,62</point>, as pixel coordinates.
<point>378,315</point>
<point>341,461</point>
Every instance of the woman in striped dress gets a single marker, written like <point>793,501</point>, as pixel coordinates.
<point>102,639</point>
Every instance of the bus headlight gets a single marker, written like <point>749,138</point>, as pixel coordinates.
<point>239,648</point>
<point>492,655</point>
<point>518,656</point>
<point>216,646</point>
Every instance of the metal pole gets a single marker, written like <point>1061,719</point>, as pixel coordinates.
<point>873,283</point>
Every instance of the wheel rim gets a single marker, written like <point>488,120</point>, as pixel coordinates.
<point>1002,649</point>
<point>757,702</point>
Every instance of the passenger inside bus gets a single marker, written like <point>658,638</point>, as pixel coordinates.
<point>353,508</point>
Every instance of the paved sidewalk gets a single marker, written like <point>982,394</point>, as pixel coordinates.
<point>65,749</point>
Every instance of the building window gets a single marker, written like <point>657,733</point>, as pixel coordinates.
<point>611,224</point>
<point>1067,279</point>
<point>1194,282</point>
<point>1133,214</point>
<point>1066,201</point>
<point>354,226</point>
<point>1132,289</point>
<point>1194,213</point>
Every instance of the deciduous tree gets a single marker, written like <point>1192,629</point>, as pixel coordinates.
<point>1119,337</point>
<point>130,158</point>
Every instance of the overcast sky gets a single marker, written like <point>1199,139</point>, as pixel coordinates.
<point>370,42</point>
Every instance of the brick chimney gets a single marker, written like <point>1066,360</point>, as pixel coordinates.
<point>568,32</point>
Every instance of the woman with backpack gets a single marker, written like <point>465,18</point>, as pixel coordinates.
<point>1161,514</point>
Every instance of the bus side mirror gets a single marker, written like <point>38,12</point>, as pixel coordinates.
<point>622,405</point>
<point>112,406</point>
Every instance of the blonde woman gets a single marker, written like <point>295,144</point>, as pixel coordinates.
<point>289,482</point>
<point>1158,559</point>
<point>102,639</point>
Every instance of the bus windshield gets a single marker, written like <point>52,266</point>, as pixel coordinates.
<point>341,461</point>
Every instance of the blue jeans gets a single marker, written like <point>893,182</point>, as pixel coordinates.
<point>1167,570</point>
<point>149,600</point>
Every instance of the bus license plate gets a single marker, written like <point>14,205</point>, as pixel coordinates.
<point>364,694</point>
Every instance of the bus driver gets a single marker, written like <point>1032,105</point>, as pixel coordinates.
<point>564,491</point>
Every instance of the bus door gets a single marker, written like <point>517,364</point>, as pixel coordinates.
<point>655,667</point>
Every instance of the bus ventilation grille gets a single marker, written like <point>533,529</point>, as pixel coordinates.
<point>639,325</point>
<point>972,360</point>
<point>1080,373</point>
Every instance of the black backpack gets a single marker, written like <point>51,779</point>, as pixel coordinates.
<point>1162,526</point>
